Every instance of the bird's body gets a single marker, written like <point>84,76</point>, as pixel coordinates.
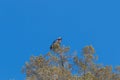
<point>56,44</point>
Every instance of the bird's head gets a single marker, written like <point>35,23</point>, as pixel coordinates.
<point>59,38</point>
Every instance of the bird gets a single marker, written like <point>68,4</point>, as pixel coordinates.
<point>56,44</point>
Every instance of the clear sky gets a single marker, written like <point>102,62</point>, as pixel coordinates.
<point>28,27</point>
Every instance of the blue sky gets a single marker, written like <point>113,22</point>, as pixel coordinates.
<point>28,27</point>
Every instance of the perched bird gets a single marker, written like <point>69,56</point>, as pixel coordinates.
<point>56,47</point>
<point>56,44</point>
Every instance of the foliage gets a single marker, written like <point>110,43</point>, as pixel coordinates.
<point>59,64</point>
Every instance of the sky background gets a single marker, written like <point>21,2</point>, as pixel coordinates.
<point>28,27</point>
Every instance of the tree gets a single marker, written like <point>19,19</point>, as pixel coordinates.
<point>59,64</point>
